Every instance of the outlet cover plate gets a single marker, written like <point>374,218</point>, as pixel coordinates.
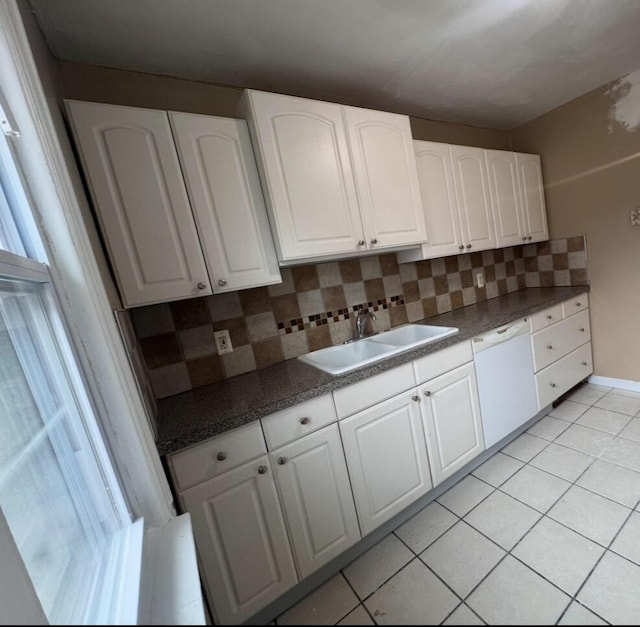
<point>223,342</point>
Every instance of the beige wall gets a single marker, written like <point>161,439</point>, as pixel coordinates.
<point>137,89</point>
<point>591,169</point>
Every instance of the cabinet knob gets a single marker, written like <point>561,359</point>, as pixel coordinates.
<point>578,304</point>
<point>222,282</point>
<point>282,461</point>
<point>221,456</point>
<point>549,346</point>
<point>461,247</point>
<point>361,242</point>
<point>202,286</point>
<point>552,385</point>
<point>529,237</point>
<point>524,239</point>
<point>468,245</point>
<point>427,393</point>
<point>581,329</point>
<point>262,470</point>
<point>549,317</point>
<point>415,398</point>
<point>584,363</point>
<point>304,420</point>
<point>374,241</point>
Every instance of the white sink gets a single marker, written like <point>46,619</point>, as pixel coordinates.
<point>411,335</point>
<point>346,357</point>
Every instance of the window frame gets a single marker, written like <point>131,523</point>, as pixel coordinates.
<point>61,212</point>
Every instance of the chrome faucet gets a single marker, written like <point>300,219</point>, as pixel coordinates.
<point>361,319</point>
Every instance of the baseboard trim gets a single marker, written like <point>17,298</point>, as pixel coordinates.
<point>623,384</point>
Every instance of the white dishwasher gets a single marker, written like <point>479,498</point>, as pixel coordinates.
<point>506,384</point>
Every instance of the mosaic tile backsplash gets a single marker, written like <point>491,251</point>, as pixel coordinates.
<point>315,306</point>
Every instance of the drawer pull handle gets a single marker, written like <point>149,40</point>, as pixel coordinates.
<point>427,393</point>
<point>262,470</point>
<point>552,385</point>
<point>415,398</point>
<point>282,461</point>
<point>221,456</point>
<point>581,329</point>
<point>584,363</point>
<point>549,317</point>
<point>549,346</point>
<point>304,420</point>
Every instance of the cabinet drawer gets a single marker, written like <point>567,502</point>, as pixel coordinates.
<point>562,375</point>
<point>556,341</point>
<point>363,394</point>
<point>294,422</point>
<point>217,455</point>
<point>435,364</point>
<point>574,305</point>
<point>546,318</point>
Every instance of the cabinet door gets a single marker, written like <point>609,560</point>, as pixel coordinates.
<point>505,197</point>
<point>241,540</point>
<point>438,199</point>
<point>532,195</point>
<point>387,459</point>
<point>132,169</point>
<point>472,194</point>
<point>386,177</point>
<point>316,497</point>
<point>303,155</point>
<point>222,179</point>
<point>452,421</point>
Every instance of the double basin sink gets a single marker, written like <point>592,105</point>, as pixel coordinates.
<point>362,352</point>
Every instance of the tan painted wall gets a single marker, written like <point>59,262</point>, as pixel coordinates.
<point>591,169</point>
<point>137,89</point>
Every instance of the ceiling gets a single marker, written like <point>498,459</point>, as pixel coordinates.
<point>490,63</point>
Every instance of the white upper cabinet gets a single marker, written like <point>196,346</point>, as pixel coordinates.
<point>386,177</point>
<point>133,173</point>
<point>517,197</point>
<point>532,197</point>
<point>223,184</point>
<point>182,214</point>
<point>319,204</point>
<point>505,197</point>
<point>306,172</point>
<point>437,191</point>
<point>455,198</point>
<point>472,194</point>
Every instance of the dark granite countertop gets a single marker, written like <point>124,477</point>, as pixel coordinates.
<point>192,417</point>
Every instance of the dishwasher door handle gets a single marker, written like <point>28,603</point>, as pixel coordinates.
<point>502,335</point>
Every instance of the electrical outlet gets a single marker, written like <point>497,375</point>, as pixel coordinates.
<point>223,342</point>
<point>480,279</point>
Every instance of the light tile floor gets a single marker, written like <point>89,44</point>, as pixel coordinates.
<point>546,531</point>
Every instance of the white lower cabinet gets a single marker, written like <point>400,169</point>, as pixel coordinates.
<point>452,423</point>
<point>316,498</point>
<point>241,540</point>
<point>561,346</point>
<point>386,457</point>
